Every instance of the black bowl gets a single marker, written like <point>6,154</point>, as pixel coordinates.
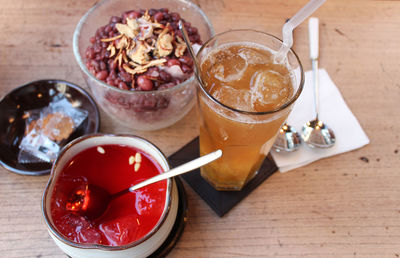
<point>35,95</point>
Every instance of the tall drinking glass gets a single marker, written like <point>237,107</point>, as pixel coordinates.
<point>243,99</point>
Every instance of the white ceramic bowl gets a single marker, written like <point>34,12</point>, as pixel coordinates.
<point>140,248</point>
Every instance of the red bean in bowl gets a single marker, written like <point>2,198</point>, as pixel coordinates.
<point>100,59</point>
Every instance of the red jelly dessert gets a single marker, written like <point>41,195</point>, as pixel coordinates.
<point>128,217</point>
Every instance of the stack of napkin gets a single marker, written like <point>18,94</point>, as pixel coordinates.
<point>333,111</point>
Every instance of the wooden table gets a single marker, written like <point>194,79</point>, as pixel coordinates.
<point>342,206</point>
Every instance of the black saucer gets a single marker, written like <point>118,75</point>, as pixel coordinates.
<point>179,225</point>
<point>220,201</point>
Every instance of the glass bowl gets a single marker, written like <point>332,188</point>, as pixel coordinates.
<point>140,110</point>
<point>142,247</point>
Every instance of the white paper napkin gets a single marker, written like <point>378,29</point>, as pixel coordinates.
<point>333,111</point>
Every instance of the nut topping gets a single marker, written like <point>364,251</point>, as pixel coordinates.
<point>142,69</point>
<point>129,30</point>
<point>139,40</point>
<point>180,47</point>
<point>164,43</point>
<point>111,48</point>
<point>139,54</point>
<point>144,46</point>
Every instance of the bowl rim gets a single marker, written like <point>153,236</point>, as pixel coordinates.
<point>74,86</point>
<point>79,59</point>
<point>253,113</point>
<point>68,242</point>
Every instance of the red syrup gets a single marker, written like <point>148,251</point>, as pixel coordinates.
<point>128,217</point>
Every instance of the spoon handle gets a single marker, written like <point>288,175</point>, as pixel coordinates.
<point>313,24</point>
<point>191,51</point>
<point>181,169</point>
<point>313,29</point>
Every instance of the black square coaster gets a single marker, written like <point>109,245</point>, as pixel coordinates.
<point>220,201</point>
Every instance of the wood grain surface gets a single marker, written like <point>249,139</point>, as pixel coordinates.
<point>343,206</point>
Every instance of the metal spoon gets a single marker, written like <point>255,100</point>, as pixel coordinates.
<point>288,139</point>
<point>315,133</point>
<point>191,51</point>
<point>92,200</point>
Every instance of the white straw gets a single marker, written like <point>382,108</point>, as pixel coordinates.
<point>287,30</point>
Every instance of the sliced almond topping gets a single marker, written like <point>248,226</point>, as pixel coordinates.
<point>157,25</point>
<point>132,23</point>
<point>142,68</point>
<point>131,45</point>
<point>146,31</point>
<point>119,58</point>
<point>112,39</point>
<point>122,43</point>
<point>164,44</point>
<point>139,40</point>
<point>134,71</point>
<point>180,47</point>
<point>145,26</point>
<point>124,57</point>
<point>125,30</point>
<point>137,166</point>
<point>180,50</point>
<point>133,64</point>
<point>111,48</point>
<point>156,62</point>
<point>112,52</point>
<point>139,54</point>
<point>146,16</point>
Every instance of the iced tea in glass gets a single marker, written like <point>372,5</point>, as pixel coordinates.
<point>243,99</point>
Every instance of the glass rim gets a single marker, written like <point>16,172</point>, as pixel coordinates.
<point>280,108</point>
<point>79,58</point>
